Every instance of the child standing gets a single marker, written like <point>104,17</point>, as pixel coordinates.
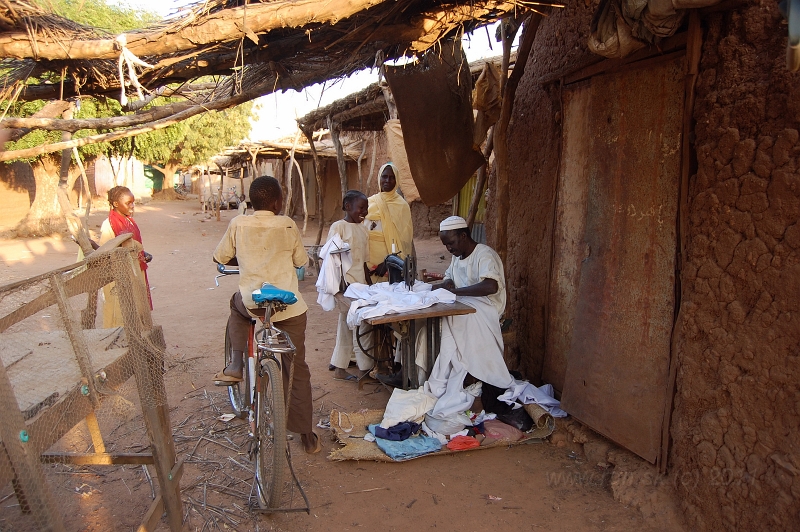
<point>267,247</point>
<point>120,221</point>
<point>352,231</point>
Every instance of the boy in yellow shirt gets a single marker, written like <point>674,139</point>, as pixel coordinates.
<point>267,247</point>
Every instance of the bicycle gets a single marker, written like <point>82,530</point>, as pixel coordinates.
<point>259,396</point>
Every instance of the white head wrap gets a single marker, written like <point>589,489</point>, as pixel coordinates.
<point>454,222</point>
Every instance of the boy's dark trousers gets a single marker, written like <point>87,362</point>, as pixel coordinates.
<point>298,418</point>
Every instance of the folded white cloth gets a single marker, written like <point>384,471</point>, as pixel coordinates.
<point>382,299</point>
<point>407,405</point>
<point>333,267</point>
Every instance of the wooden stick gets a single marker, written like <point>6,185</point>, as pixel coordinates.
<point>372,161</point>
<point>501,135</point>
<point>340,162</point>
<point>222,26</point>
<point>289,191</point>
<point>358,164</point>
<point>480,184</point>
<point>318,176</point>
<point>364,491</point>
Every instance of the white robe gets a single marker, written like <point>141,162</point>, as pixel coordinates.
<point>471,343</point>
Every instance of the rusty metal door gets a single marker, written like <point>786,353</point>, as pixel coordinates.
<point>618,359</point>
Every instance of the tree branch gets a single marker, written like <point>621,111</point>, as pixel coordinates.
<point>222,26</point>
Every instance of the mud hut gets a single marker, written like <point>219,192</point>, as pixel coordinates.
<point>652,249</point>
<point>645,203</point>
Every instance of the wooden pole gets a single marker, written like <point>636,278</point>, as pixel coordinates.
<point>694,48</point>
<point>74,223</point>
<point>480,182</point>
<point>289,188</point>
<point>372,161</point>
<point>358,163</point>
<point>318,175</point>
<point>33,494</point>
<point>303,193</point>
<point>155,410</point>
<point>340,162</point>
<point>501,135</point>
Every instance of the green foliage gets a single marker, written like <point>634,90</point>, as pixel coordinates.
<point>195,140</point>
<point>100,14</point>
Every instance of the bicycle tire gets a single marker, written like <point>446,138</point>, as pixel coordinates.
<point>238,393</point>
<point>271,426</point>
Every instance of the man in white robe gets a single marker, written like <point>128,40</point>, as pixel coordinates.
<point>471,343</point>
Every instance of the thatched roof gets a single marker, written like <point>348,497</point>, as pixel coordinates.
<point>251,50</point>
<point>268,45</point>
<point>366,110</point>
<point>243,153</point>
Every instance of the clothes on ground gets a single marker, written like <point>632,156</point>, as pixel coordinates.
<point>406,405</point>
<point>391,217</point>
<point>118,224</point>
<point>400,432</point>
<point>462,443</point>
<point>383,298</point>
<point>497,430</point>
<point>268,248</point>
<point>525,393</point>
<point>406,449</point>
<point>335,255</point>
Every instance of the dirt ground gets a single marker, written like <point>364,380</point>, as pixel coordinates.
<point>539,486</point>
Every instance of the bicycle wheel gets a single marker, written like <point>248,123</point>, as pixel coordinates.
<point>237,393</point>
<point>271,426</point>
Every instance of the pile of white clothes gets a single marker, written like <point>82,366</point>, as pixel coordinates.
<point>336,260</point>
<point>383,298</point>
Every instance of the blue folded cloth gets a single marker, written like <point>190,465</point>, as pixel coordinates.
<point>406,449</point>
<point>400,432</point>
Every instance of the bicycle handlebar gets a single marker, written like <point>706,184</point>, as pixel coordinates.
<point>223,271</point>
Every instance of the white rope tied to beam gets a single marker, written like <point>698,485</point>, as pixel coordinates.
<point>131,61</point>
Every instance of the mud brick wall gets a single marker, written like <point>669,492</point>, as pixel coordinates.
<point>736,440</point>
<point>534,146</point>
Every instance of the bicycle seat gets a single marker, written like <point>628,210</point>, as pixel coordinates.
<point>269,294</point>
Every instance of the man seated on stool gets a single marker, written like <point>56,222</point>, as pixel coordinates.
<point>471,343</point>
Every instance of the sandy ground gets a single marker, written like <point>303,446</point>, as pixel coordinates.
<point>528,487</point>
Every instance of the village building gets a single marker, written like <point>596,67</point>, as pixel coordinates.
<point>646,205</point>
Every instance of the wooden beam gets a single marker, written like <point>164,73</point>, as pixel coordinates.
<point>223,26</point>
<point>150,384</point>
<point>153,516</point>
<point>75,332</point>
<point>501,136</point>
<point>341,164</point>
<point>480,182</point>
<point>31,484</point>
<point>309,133</point>
<point>98,458</point>
<point>694,47</point>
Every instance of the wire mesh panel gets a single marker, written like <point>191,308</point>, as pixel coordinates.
<point>70,341</point>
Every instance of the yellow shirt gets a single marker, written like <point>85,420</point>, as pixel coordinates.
<point>268,249</point>
<point>358,237</point>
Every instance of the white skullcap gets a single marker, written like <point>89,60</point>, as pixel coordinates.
<point>454,222</point>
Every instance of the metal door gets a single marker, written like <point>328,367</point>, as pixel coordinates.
<point>618,358</point>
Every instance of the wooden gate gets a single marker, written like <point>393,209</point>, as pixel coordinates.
<point>622,143</point>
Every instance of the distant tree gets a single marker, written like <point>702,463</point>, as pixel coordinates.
<point>193,141</point>
<point>45,215</point>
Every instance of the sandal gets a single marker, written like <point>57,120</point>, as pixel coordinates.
<point>220,379</point>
